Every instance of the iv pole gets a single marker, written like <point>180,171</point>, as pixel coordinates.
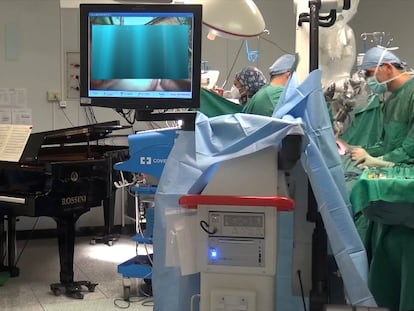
<point>320,294</point>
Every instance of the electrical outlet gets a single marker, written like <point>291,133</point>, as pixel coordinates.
<point>53,96</point>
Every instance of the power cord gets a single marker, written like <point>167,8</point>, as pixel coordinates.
<point>125,304</point>
<point>90,115</point>
<point>128,116</point>
<point>66,116</point>
<point>143,292</point>
<point>27,241</point>
<point>275,44</point>
<point>205,226</point>
<point>146,299</point>
<point>301,289</point>
<point>141,233</point>
<point>232,66</point>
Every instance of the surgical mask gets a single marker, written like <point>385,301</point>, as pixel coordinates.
<point>376,86</point>
<point>235,93</point>
<point>380,87</point>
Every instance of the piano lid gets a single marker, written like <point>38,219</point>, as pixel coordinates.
<point>72,135</point>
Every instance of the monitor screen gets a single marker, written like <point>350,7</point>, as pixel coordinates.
<point>140,56</point>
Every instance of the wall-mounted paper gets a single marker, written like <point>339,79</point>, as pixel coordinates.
<point>5,115</point>
<point>22,116</point>
<point>13,97</point>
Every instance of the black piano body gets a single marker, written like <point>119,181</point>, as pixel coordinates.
<point>61,174</point>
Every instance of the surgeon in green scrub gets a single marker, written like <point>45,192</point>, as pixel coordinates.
<point>389,241</point>
<point>266,99</point>
<point>386,72</point>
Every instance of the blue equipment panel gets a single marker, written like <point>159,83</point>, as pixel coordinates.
<point>148,151</point>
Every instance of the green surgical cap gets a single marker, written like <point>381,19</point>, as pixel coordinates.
<point>282,64</point>
<point>372,58</point>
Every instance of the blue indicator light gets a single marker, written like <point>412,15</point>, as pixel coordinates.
<point>213,253</point>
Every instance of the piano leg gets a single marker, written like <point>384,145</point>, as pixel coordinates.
<point>3,267</point>
<point>108,236</point>
<point>66,242</point>
<point>11,245</point>
<point>4,270</point>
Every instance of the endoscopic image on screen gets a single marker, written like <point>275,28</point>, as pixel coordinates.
<point>131,53</point>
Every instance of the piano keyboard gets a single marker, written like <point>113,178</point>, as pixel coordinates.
<point>8,199</point>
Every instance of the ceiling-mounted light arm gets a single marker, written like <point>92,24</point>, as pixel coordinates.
<point>232,19</point>
<point>329,20</point>
<point>324,21</point>
<point>222,32</point>
<point>315,21</point>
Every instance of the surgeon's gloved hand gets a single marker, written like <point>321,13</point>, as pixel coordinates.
<point>369,161</point>
<point>358,154</point>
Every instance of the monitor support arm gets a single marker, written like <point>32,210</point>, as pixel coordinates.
<point>187,117</point>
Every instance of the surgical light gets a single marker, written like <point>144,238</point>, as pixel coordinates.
<point>75,3</point>
<point>231,19</point>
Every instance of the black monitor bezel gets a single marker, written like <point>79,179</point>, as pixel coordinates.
<point>145,104</point>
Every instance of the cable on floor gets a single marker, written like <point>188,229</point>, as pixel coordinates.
<point>125,304</point>
<point>26,241</point>
<point>145,298</point>
<point>149,302</point>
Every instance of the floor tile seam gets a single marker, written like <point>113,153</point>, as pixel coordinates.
<point>36,297</point>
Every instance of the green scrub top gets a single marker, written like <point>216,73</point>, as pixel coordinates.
<point>264,101</point>
<point>397,144</point>
<point>367,125</point>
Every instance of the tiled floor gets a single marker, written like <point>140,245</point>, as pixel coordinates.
<point>39,267</point>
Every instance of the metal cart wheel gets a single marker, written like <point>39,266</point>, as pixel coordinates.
<point>127,293</point>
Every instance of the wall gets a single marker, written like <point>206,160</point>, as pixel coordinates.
<point>391,17</point>
<point>35,64</point>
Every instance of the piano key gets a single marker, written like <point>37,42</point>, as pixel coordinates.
<point>8,199</point>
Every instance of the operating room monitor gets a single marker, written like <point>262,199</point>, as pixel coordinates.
<point>140,56</point>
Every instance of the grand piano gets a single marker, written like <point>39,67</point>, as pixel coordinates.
<point>61,174</point>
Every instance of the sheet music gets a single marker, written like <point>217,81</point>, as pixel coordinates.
<point>13,139</point>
